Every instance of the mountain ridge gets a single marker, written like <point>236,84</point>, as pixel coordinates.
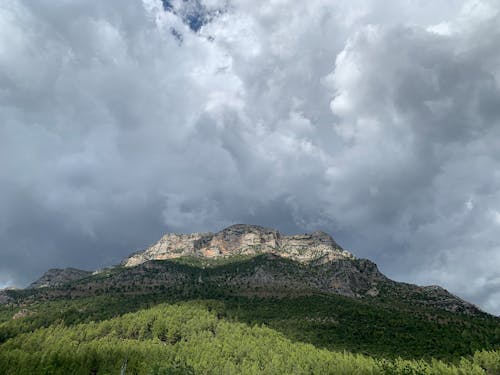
<point>264,262</point>
<point>242,239</point>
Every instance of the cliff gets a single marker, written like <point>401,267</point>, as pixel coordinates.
<point>242,239</point>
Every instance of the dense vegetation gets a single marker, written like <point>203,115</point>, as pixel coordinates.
<point>201,328</point>
<point>191,338</point>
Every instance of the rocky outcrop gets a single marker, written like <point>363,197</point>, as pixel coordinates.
<point>21,314</point>
<point>242,239</point>
<point>57,277</point>
<point>318,247</point>
<point>171,245</point>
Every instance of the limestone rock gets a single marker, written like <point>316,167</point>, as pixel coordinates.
<point>171,245</point>
<point>243,239</point>
<point>316,246</point>
<point>21,314</point>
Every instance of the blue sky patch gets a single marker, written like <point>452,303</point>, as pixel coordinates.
<point>193,13</point>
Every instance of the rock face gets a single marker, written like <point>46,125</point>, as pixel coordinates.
<point>318,247</point>
<point>242,239</point>
<point>57,277</point>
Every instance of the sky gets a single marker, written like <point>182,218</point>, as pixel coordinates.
<point>377,121</point>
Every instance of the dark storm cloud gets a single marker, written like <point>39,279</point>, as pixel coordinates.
<point>420,111</point>
<point>380,127</point>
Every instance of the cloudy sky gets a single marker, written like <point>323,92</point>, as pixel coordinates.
<point>377,121</point>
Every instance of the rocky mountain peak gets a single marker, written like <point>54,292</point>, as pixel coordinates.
<point>243,239</point>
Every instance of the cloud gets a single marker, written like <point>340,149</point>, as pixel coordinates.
<point>377,123</point>
<point>419,113</point>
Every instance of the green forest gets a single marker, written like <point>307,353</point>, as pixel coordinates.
<point>186,317</point>
<point>208,332</point>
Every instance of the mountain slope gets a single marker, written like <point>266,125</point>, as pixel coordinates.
<point>260,275</point>
<point>246,260</point>
<point>328,267</point>
<point>194,338</point>
<point>303,287</point>
<point>57,277</point>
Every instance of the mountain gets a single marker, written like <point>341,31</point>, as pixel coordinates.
<point>298,289</point>
<point>268,264</point>
<point>318,264</point>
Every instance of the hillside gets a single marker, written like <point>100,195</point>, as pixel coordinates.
<point>291,294</point>
<point>57,277</point>
<point>317,263</point>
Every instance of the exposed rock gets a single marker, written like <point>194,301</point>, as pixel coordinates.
<point>171,245</point>
<point>350,277</point>
<point>319,247</point>
<point>243,239</point>
<point>22,313</point>
<point>58,276</point>
<point>373,292</point>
